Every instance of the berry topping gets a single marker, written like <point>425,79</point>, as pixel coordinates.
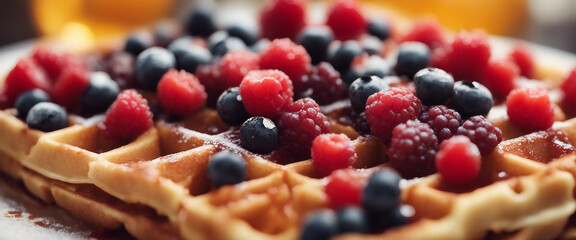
<point>500,77</point>
<point>412,56</point>
<point>69,87</point>
<point>371,45</point>
<point>180,93</point>
<point>120,66</point>
<point>128,117</point>
<point>28,99</point>
<point>443,120</point>
<point>433,86</point>
<point>371,66</point>
<point>352,219</point>
<point>331,152</point>
<point>221,43</point>
<point>286,56</point>
<point>530,109</point>
<point>466,57</point>
<point>53,62</point>
<point>189,56</point>
<point>343,56</point>
<point>315,39</point>
<point>100,94</point>
<point>200,22</point>
<point>47,117</point>
<point>323,84</point>
<point>386,109</point>
<point>226,168</point>
<point>481,132</point>
<point>246,32</point>
<point>282,18</point>
<point>320,224</point>
<point>138,42</point>
<point>230,107</point>
<point>300,124</point>
<point>412,149</point>
<point>471,99</point>
<point>379,28</point>
<point>259,135</point>
<point>209,77</point>
<point>382,192</point>
<point>428,32</point>
<point>234,66</point>
<point>560,143</point>
<point>458,161</point>
<point>522,56</point>
<point>345,187</point>
<point>166,32</point>
<point>569,88</point>
<point>266,93</point>
<point>151,65</point>
<point>26,75</point>
<point>346,20</point>
<point>362,88</point>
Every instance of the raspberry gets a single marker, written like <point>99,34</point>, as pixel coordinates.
<point>345,187</point>
<point>26,75</point>
<point>180,93</point>
<point>458,161</point>
<point>282,18</point>
<point>128,117</point>
<point>530,109</point>
<point>522,56</point>
<point>300,124</point>
<point>466,57</point>
<point>386,109</point>
<point>569,88</point>
<point>346,20</point>
<point>428,32</point>
<point>234,66</point>
<point>481,132</point>
<point>70,86</point>
<point>443,120</point>
<point>52,61</point>
<point>500,77</point>
<point>323,84</point>
<point>209,77</point>
<point>412,149</point>
<point>331,152</point>
<point>286,56</point>
<point>266,93</point>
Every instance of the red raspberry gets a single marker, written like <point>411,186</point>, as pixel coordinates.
<point>466,57</point>
<point>412,149</point>
<point>481,132</point>
<point>569,88</point>
<point>323,84</point>
<point>530,109</point>
<point>299,125</point>
<point>443,120</point>
<point>180,93</point>
<point>345,187</point>
<point>234,66</point>
<point>458,161</point>
<point>70,86</point>
<point>331,152</point>
<point>282,18</point>
<point>428,32</point>
<point>128,117</point>
<point>286,56</point>
<point>522,56</point>
<point>52,61</point>
<point>266,93</point>
<point>500,77</point>
<point>386,109</point>
<point>346,20</point>
<point>26,75</point>
<point>209,77</point>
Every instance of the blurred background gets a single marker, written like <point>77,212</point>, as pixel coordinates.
<point>550,22</point>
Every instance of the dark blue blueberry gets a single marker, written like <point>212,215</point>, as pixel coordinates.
<point>362,88</point>
<point>382,192</point>
<point>433,86</point>
<point>230,107</point>
<point>138,42</point>
<point>412,56</point>
<point>471,99</point>
<point>376,66</point>
<point>349,76</point>
<point>200,22</point>
<point>47,117</point>
<point>221,42</point>
<point>398,218</point>
<point>226,168</point>
<point>189,55</point>
<point>344,54</point>
<point>371,45</point>
<point>248,33</point>
<point>316,39</point>
<point>100,94</point>
<point>179,46</point>
<point>28,99</point>
<point>352,219</point>
<point>165,33</point>
<point>259,135</point>
<point>320,225</point>
<point>379,28</point>
<point>260,45</point>
<point>151,65</point>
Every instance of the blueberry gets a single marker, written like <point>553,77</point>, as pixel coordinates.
<point>371,45</point>
<point>28,99</point>
<point>230,107</point>
<point>221,42</point>
<point>100,94</point>
<point>352,219</point>
<point>362,88</point>
<point>47,117</point>
<point>151,65</point>
<point>226,168</point>
<point>165,33</point>
<point>316,39</point>
<point>344,54</point>
<point>398,217</point>
<point>320,225</point>
<point>412,56</point>
<point>471,99</point>
<point>378,28</point>
<point>377,66</point>
<point>188,55</point>
<point>433,86</point>
<point>260,45</point>
<point>248,33</point>
<point>138,42</point>
<point>200,22</point>
<point>349,76</point>
<point>382,192</point>
<point>259,135</point>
